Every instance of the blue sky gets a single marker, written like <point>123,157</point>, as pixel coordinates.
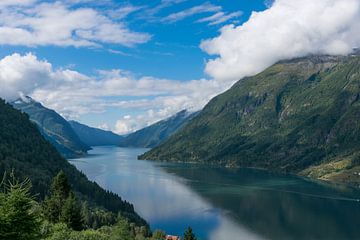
<point>172,52</point>
<point>122,65</point>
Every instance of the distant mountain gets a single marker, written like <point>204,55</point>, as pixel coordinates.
<point>94,136</point>
<point>300,116</point>
<point>155,134</point>
<point>53,127</point>
<point>24,151</point>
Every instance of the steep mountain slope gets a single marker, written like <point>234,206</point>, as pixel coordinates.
<point>293,116</point>
<point>94,136</point>
<point>24,150</point>
<point>54,127</point>
<point>153,135</point>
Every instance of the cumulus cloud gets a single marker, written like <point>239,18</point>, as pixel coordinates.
<point>22,74</point>
<point>288,29</point>
<point>150,99</point>
<point>54,23</point>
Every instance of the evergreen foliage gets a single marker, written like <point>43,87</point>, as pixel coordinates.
<point>19,218</point>
<point>189,235</point>
<point>23,149</point>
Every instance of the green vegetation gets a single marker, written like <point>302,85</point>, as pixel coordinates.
<point>189,235</point>
<point>53,127</point>
<point>22,218</point>
<point>19,217</point>
<point>156,133</point>
<point>293,116</point>
<point>52,200</point>
<point>24,150</point>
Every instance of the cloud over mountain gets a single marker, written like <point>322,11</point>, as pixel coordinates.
<point>155,98</point>
<point>22,74</point>
<point>289,28</point>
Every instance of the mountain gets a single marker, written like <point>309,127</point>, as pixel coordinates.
<point>25,151</point>
<point>300,116</point>
<point>53,127</point>
<point>94,136</point>
<point>153,135</point>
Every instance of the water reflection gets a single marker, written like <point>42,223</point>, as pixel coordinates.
<point>222,203</point>
<point>277,206</point>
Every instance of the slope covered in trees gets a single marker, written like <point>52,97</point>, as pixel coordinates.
<point>60,216</point>
<point>53,127</point>
<point>24,150</point>
<point>156,133</point>
<point>301,115</point>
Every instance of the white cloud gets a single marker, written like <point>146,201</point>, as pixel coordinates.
<point>290,28</point>
<point>203,8</point>
<point>22,74</point>
<point>151,98</point>
<point>220,17</point>
<point>62,25</point>
<point>6,3</point>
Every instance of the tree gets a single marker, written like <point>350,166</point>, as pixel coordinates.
<point>189,235</point>
<point>122,230</point>
<point>59,192</point>
<point>71,213</point>
<point>18,217</point>
<point>158,235</point>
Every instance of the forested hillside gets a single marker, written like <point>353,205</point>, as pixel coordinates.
<point>24,150</point>
<point>53,127</point>
<point>301,115</point>
<point>158,132</point>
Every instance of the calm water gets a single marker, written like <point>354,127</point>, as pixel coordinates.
<point>225,204</point>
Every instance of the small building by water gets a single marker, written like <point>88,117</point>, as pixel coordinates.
<point>170,237</point>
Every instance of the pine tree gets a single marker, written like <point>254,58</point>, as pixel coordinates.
<point>189,235</point>
<point>71,213</point>
<point>59,192</point>
<point>18,218</point>
<point>60,186</point>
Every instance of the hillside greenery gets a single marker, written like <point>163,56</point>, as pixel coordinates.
<point>24,218</point>
<point>62,216</point>
<point>53,127</point>
<point>24,151</point>
<point>158,132</point>
<point>296,116</point>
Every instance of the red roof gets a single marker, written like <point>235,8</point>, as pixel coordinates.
<point>169,237</point>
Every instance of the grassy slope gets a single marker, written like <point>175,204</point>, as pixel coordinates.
<point>293,116</point>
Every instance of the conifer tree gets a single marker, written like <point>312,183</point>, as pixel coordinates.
<point>59,192</point>
<point>18,218</point>
<point>189,235</point>
<point>71,213</point>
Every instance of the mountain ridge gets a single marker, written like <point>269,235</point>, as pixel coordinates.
<point>95,136</point>
<point>293,116</point>
<point>158,132</point>
<point>25,152</point>
<point>53,127</point>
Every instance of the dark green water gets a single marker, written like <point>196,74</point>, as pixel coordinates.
<point>223,203</point>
